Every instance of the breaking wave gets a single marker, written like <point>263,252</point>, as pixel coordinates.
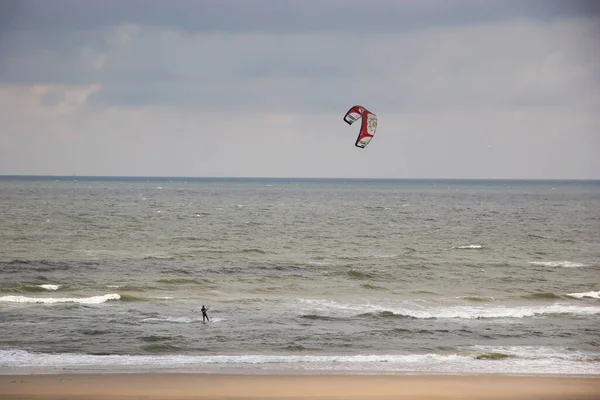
<point>563,264</point>
<point>55,300</point>
<point>591,295</point>
<point>475,360</point>
<point>331,308</point>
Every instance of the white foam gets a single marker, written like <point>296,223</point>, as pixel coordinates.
<point>461,312</point>
<point>410,309</point>
<point>539,361</point>
<point>48,286</point>
<point>469,246</point>
<point>535,352</point>
<point>593,295</point>
<point>176,320</point>
<point>179,320</point>
<point>564,264</point>
<point>54,300</point>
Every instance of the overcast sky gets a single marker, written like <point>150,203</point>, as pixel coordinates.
<point>462,88</point>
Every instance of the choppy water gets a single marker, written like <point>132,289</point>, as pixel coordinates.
<point>300,275</point>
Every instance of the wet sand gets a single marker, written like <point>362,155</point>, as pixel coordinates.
<point>181,386</point>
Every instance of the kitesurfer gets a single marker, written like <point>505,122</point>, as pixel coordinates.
<point>204,314</point>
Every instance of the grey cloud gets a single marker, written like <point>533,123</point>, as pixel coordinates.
<point>490,81</point>
<point>52,98</point>
<point>513,65</point>
<point>148,64</point>
<point>278,16</point>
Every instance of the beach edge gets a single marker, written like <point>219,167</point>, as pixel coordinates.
<point>180,386</point>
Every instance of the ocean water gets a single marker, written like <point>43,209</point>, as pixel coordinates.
<point>300,276</point>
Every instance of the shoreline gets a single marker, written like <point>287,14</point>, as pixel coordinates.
<point>177,385</point>
<point>232,371</point>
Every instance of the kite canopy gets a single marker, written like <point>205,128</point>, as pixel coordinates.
<point>368,126</point>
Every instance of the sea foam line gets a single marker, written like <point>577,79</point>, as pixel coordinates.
<point>564,264</point>
<point>556,363</point>
<point>332,308</point>
<point>536,352</point>
<point>593,295</point>
<point>53,300</point>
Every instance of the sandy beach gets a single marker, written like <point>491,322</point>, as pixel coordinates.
<point>209,386</point>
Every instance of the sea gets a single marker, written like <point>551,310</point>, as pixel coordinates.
<point>300,276</point>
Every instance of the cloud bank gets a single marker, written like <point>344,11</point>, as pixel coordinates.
<point>464,89</point>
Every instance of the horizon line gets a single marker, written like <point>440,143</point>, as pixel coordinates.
<point>154,177</point>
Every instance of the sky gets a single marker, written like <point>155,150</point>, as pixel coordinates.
<point>463,89</point>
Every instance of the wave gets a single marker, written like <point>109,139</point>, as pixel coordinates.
<point>94,332</point>
<point>133,288</point>
<point>408,310</point>
<point>376,208</point>
<point>542,296</point>
<point>160,348</point>
<point>469,247</point>
<point>130,298</point>
<point>160,257</point>
<point>492,356</point>
<point>155,338</point>
<point>177,281</point>
<point>539,296</point>
<point>34,288</point>
<point>532,353</point>
<point>592,295</point>
<point>563,264</point>
<point>194,238</point>
<point>474,360</point>
<point>355,274</point>
<point>298,348</point>
<point>505,312</point>
<point>477,298</point>
<point>253,251</point>
<point>17,266</point>
<point>320,317</point>
<point>386,314</point>
<point>55,300</point>
<point>176,320</point>
<point>371,287</point>
<point>319,263</point>
<point>48,286</point>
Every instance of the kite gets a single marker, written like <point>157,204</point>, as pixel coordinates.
<point>368,126</point>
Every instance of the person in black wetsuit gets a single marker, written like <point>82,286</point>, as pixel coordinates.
<point>204,314</point>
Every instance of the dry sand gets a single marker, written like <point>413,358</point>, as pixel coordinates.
<point>210,386</point>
